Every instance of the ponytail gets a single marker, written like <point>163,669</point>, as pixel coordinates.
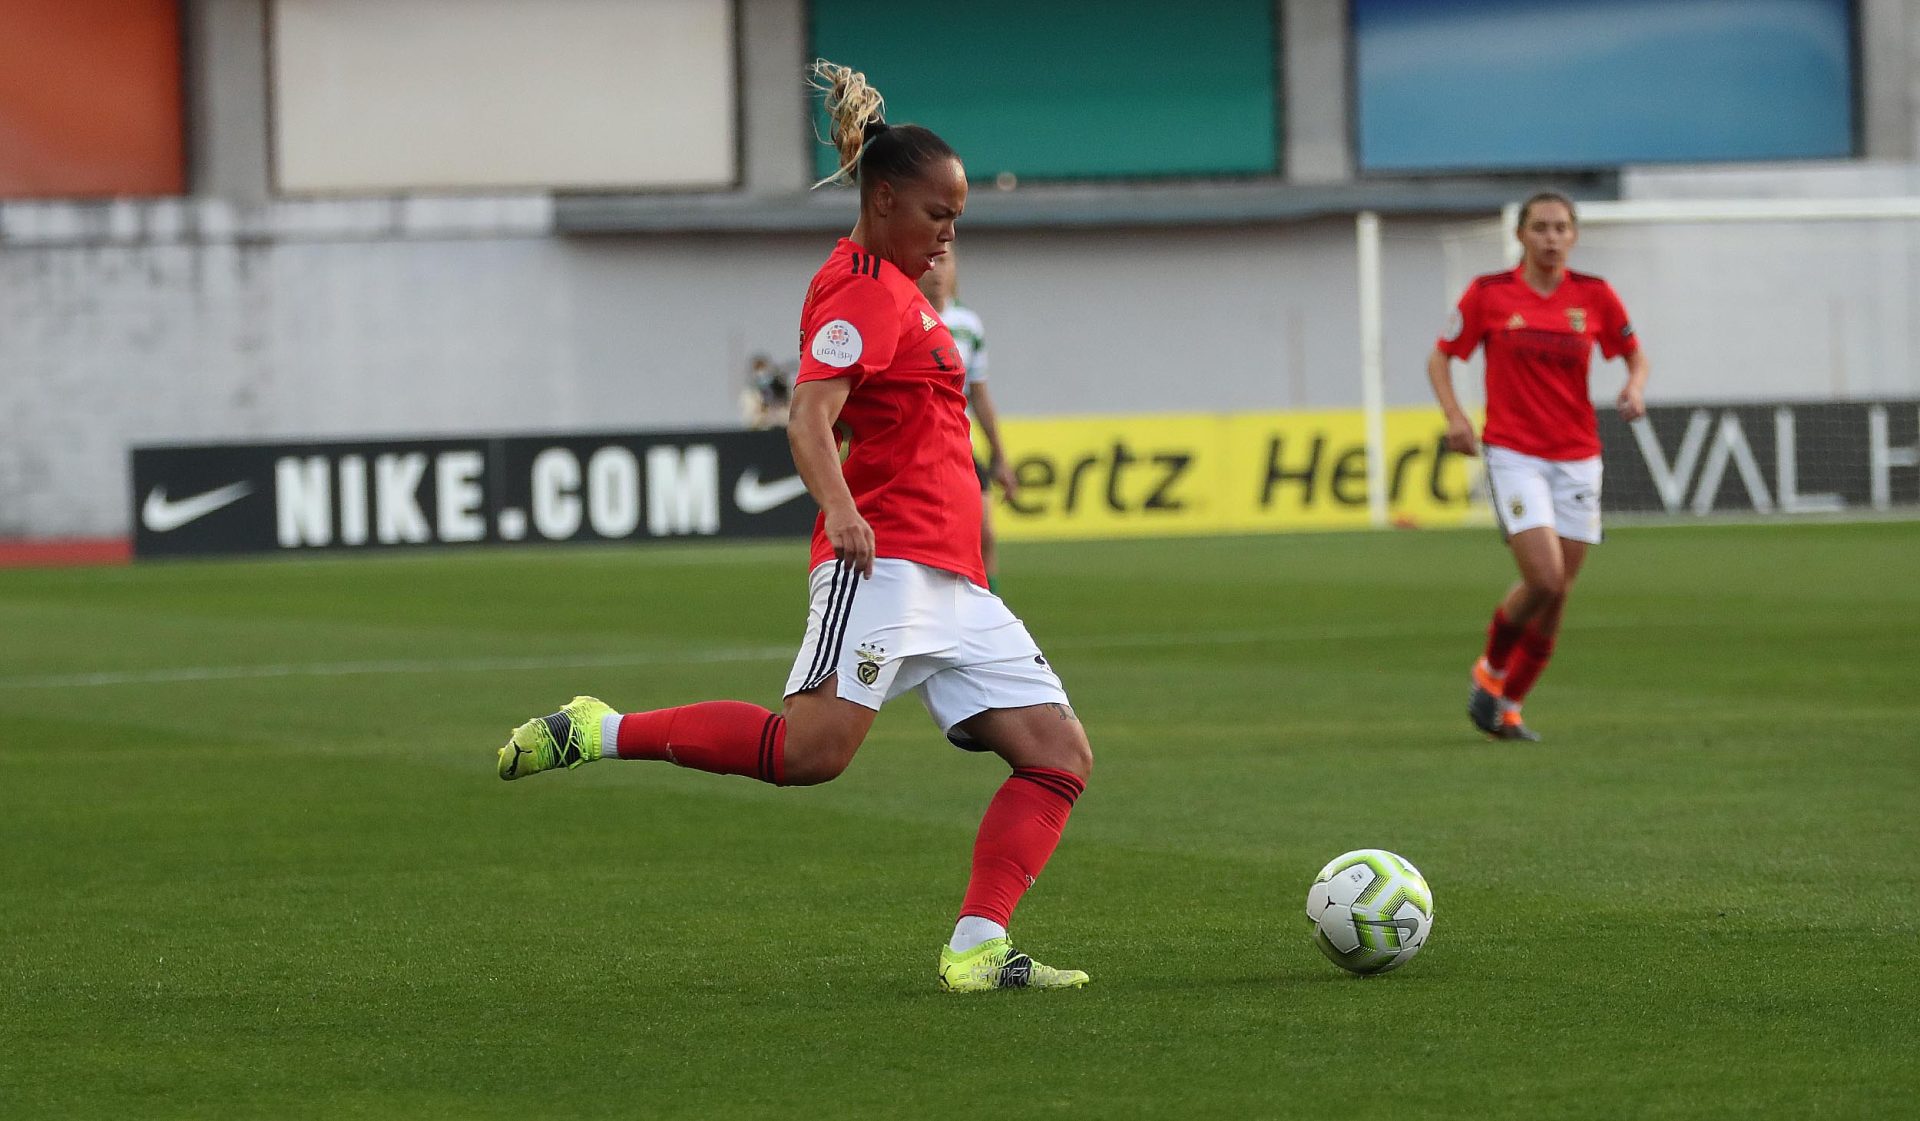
<point>856,115</point>
<point>870,150</point>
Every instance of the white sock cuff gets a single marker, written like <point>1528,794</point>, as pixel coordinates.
<point>610,736</point>
<point>972,930</point>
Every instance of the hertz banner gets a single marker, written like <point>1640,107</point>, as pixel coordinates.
<point>1243,473</point>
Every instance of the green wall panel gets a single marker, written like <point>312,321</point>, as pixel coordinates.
<point>1054,90</point>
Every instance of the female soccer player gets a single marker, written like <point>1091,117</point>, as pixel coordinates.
<point>1539,323</point>
<point>898,597</point>
<point>940,286</point>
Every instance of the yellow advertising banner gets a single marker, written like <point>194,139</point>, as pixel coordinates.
<point>1173,475</point>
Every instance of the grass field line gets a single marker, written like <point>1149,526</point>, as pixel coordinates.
<point>388,666</point>
<point>189,674</point>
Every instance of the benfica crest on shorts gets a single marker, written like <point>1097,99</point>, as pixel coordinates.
<point>868,671</point>
<point>1577,319</point>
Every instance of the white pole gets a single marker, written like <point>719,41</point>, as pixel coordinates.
<point>1509,222</point>
<point>1373,395</point>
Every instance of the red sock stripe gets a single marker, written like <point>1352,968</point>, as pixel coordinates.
<point>1063,783</point>
<point>771,734</point>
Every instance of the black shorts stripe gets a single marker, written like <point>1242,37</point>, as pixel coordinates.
<point>1499,519</point>
<point>836,637</point>
<point>826,625</point>
<point>833,625</point>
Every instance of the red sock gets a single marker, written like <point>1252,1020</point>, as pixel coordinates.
<point>1017,835</point>
<point>719,737</point>
<point>1529,659</point>
<point>1502,633</point>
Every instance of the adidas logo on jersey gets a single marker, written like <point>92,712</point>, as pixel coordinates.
<point>928,322</point>
<point>1518,321</point>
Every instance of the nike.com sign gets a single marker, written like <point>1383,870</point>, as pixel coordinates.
<point>250,498</point>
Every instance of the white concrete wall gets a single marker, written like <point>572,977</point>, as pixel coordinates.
<point>109,343</point>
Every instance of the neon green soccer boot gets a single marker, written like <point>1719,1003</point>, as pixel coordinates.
<point>995,964</point>
<point>567,738</point>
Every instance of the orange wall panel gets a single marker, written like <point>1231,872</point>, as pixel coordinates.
<point>90,99</point>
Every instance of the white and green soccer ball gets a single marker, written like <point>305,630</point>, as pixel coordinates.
<point>1371,911</point>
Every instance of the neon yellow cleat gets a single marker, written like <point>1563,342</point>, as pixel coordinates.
<point>568,738</point>
<point>995,964</point>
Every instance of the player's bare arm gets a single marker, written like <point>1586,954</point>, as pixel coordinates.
<point>997,468</point>
<point>1632,401</point>
<point>816,406</point>
<point>1459,425</point>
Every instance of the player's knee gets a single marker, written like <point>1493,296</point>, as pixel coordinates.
<point>1080,761</point>
<point>813,759</point>
<point>1547,589</point>
<point>1072,754</point>
<point>811,768</point>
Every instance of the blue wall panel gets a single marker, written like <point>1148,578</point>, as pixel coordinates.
<point>1493,84</point>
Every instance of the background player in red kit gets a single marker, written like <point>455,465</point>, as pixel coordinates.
<point>1539,324</point>
<point>898,598</point>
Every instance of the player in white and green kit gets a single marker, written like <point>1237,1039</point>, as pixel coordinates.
<point>940,287</point>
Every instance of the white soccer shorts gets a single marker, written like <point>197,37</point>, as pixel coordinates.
<point>914,628</point>
<point>1529,492</point>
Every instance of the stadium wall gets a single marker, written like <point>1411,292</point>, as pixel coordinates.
<point>130,324</point>
<point>231,316</point>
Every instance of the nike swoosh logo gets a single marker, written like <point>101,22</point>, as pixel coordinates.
<point>756,497</point>
<point>162,515</point>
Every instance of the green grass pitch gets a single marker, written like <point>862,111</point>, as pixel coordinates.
<point>257,863</point>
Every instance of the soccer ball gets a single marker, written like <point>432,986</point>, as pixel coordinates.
<point>1371,911</point>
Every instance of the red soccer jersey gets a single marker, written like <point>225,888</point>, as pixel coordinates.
<point>908,451</point>
<point>1538,351</point>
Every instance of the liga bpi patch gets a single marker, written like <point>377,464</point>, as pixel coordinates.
<point>837,344</point>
